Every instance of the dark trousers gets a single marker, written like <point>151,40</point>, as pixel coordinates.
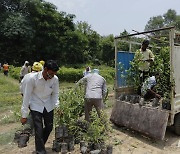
<point>42,134</point>
<point>6,73</point>
<point>143,76</point>
<point>20,78</point>
<point>89,103</point>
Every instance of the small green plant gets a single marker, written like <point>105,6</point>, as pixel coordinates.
<point>71,107</point>
<point>98,129</point>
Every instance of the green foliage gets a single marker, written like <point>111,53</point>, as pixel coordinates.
<point>14,72</point>
<point>98,128</point>
<point>69,74</point>
<point>161,64</point>
<point>170,18</point>
<point>10,99</point>
<point>34,29</point>
<point>16,27</point>
<point>69,112</point>
<point>71,106</point>
<point>6,138</point>
<point>107,45</point>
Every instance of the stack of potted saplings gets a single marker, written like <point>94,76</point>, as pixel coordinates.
<point>96,135</point>
<point>66,116</point>
<point>64,141</point>
<point>22,136</point>
<point>70,129</point>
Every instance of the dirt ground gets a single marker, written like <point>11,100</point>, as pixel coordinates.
<point>124,141</point>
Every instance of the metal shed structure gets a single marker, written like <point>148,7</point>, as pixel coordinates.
<point>134,116</point>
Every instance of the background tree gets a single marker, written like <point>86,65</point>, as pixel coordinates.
<point>34,30</point>
<point>92,51</point>
<point>170,18</point>
<point>107,46</point>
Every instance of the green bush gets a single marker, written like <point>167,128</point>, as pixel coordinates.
<point>71,74</point>
<point>14,72</point>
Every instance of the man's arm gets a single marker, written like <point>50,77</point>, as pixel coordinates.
<point>82,80</point>
<point>22,69</point>
<point>151,56</point>
<point>104,89</point>
<point>28,89</point>
<point>154,93</point>
<point>55,93</point>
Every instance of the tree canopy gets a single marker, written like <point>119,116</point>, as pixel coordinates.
<point>34,30</point>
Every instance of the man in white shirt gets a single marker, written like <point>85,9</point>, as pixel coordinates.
<point>37,67</point>
<point>96,90</point>
<point>41,95</point>
<point>28,127</point>
<point>25,69</point>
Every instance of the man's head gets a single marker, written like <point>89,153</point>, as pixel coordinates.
<point>26,63</point>
<point>145,44</point>
<point>50,69</point>
<point>88,69</point>
<point>157,74</point>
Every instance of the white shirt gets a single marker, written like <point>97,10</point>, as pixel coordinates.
<point>23,82</point>
<point>148,84</point>
<point>24,70</point>
<point>95,85</point>
<point>39,93</point>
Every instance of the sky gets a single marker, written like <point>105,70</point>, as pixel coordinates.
<point>114,16</point>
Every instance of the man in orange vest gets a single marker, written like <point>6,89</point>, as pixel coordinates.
<point>5,69</point>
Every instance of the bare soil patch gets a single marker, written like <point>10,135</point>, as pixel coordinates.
<point>124,140</point>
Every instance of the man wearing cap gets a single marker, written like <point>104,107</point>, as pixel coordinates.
<point>25,69</point>
<point>95,91</point>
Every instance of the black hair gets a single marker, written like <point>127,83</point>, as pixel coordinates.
<point>154,73</point>
<point>145,42</point>
<point>51,65</point>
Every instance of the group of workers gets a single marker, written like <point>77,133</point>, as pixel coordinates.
<point>25,69</point>
<point>148,80</point>
<point>40,91</point>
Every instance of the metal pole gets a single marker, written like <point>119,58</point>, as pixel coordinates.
<point>155,30</point>
<point>152,37</point>
<point>171,44</point>
<point>130,46</point>
<point>115,44</point>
